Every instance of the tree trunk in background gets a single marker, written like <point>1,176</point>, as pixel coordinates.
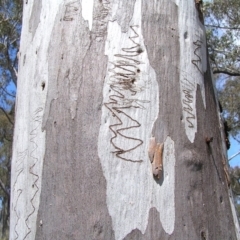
<point>99,82</point>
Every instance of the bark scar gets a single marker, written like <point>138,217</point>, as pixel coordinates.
<point>198,4</point>
<point>155,154</point>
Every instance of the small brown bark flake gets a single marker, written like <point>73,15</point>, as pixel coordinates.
<point>155,153</point>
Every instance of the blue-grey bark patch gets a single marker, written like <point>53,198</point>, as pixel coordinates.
<point>35,16</point>
<point>124,14</point>
<point>68,35</point>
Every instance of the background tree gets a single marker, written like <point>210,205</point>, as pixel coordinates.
<point>229,95</point>
<point>235,183</point>
<point>108,84</point>
<point>10,26</point>
<point>222,21</point>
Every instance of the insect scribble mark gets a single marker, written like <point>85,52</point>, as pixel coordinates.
<point>116,111</point>
<point>102,19</point>
<point>19,164</point>
<point>188,99</point>
<point>71,10</point>
<point>19,169</point>
<point>198,61</point>
<point>123,77</point>
<point>33,135</point>
<point>125,69</point>
<point>18,217</point>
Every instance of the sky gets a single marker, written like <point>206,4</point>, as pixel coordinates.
<point>235,147</point>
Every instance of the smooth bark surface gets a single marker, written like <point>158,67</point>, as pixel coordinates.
<point>102,84</point>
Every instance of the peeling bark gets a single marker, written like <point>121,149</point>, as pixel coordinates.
<point>98,81</point>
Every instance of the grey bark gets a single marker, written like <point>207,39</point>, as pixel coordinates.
<point>73,201</point>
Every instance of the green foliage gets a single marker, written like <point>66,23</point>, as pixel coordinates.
<point>235,183</point>
<point>229,96</point>
<point>235,180</point>
<point>222,22</point>
<point>10,27</point>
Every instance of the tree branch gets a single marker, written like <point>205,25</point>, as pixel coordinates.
<point>10,67</point>
<point>2,186</point>
<point>235,192</point>
<point>230,73</point>
<point>7,92</point>
<point>16,73</point>
<point>222,27</point>
<point>9,140</point>
<point>6,115</point>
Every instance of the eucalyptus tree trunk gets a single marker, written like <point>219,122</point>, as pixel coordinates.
<point>118,133</point>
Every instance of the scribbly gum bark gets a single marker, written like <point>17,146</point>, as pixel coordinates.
<point>115,102</point>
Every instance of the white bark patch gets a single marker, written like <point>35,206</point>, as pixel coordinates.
<point>131,106</point>
<point>164,195</point>
<point>29,139</point>
<point>193,63</point>
<point>87,11</point>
